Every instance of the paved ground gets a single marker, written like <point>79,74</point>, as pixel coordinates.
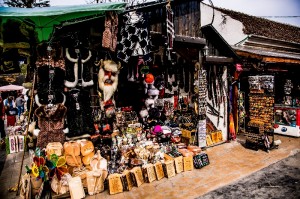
<point>2,160</point>
<point>229,162</point>
<point>279,180</point>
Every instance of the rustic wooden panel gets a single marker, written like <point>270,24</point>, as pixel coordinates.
<point>197,20</point>
<point>281,60</point>
<point>156,19</point>
<point>186,18</point>
<point>193,9</point>
<point>176,19</point>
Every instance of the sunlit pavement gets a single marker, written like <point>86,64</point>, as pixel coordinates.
<point>229,162</point>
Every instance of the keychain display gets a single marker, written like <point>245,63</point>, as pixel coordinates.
<point>261,109</point>
<point>287,88</point>
<point>202,92</point>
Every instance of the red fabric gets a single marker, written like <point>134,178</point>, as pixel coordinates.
<point>11,120</point>
<point>298,117</point>
<point>161,93</point>
<point>175,102</point>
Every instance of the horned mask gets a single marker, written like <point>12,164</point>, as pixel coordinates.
<point>108,78</point>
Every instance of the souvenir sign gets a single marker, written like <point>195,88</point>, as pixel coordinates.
<point>13,148</point>
<point>21,142</point>
<point>202,91</point>
<point>287,88</point>
<point>201,133</point>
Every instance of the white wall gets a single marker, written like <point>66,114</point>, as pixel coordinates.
<point>214,119</point>
<point>231,29</point>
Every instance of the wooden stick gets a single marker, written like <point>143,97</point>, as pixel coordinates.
<point>26,132</point>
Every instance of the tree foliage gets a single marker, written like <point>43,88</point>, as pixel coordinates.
<point>27,3</point>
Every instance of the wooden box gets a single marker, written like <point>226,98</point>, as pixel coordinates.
<point>149,173</point>
<point>177,161</point>
<point>178,164</point>
<point>159,171</point>
<point>169,169</point>
<point>115,183</point>
<point>188,164</point>
<point>137,176</point>
<point>127,180</point>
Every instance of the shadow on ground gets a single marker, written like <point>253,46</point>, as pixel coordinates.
<point>279,180</point>
<point>2,160</point>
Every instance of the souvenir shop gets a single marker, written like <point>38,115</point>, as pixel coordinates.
<point>117,105</point>
<point>268,102</point>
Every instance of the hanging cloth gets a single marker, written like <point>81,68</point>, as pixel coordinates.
<point>170,30</point>
<point>109,37</point>
<point>135,39</point>
<point>170,27</point>
<point>80,71</point>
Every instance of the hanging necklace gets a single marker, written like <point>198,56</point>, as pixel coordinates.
<point>51,77</point>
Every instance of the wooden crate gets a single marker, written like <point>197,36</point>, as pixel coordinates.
<point>159,171</point>
<point>149,173</point>
<point>169,168</point>
<point>188,164</point>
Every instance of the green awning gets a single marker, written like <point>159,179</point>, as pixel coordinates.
<point>46,18</point>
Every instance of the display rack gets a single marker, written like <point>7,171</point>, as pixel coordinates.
<point>287,120</point>
<point>260,127</point>
<point>260,131</point>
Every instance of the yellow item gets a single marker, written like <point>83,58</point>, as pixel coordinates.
<point>61,161</point>
<point>35,170</point>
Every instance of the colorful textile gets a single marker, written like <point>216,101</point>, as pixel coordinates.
<point>134,38</point>
<point>51,124</point>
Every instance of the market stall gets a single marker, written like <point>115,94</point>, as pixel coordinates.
<point>113,108</point>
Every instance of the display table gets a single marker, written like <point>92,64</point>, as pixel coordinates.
<point>287,120</point>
